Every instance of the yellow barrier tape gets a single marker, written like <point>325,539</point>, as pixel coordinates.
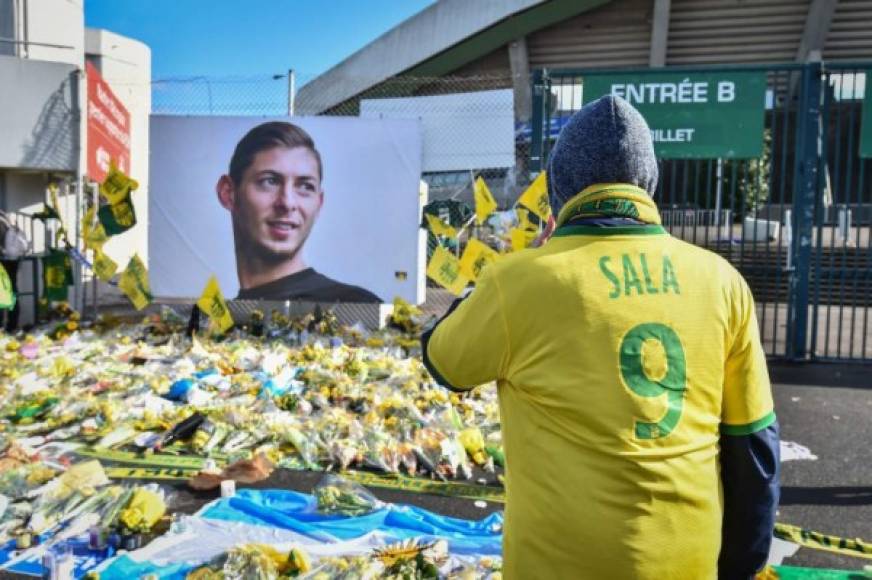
<point>400,482</point>
<point>418,485</point>
<point>819,541</point>
<point>188,462</point>
<point>157,473</point>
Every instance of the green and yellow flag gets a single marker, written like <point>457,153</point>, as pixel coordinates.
<point>535,198</point>
<point>439,227</point>
<point>57,274</point>
<point>117,217</point>
<point>485,204</point>
<point>7,296</point>
<point>524,219</point>
<point>475,258</point>
<point>212,303</point>
<point>52,209</point>
<point>46,213</point>
<point>134,283</point>
<point>104,266</point>
<point>92,230</point>
<point>117,186</point>
<point>521,238</point>
<point>444,269</point>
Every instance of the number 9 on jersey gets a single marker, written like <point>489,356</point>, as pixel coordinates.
<point>653,365</point>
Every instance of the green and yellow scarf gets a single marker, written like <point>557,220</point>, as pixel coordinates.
<point>611,200</point>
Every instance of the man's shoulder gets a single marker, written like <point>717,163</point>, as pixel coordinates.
<point>521,259</point>
<point>707,258</point>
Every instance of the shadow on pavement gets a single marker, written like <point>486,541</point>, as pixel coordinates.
<point>850,375</point>
<point>844,496</point>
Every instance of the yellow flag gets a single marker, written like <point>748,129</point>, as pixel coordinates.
<point>92,230</point>
<point>7,296</point>
<point>521,238</point>
<point>56,206</point>
<point>212,303</point>
<point>439,227</point>
<point>444,268</point>
<point>524,219</point>
<point>53,199</point>
<point>134,283</point>
<point>536,198</point>
<point>117,185</point>
<point>485,204</point>
<point>475,257</point>
<point>104,266</point>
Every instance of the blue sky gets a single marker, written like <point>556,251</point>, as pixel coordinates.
<point>219,38</point>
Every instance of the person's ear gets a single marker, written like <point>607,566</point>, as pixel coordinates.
<point>226,192</point>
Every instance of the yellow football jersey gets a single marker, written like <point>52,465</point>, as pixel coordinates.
<point>619,355</point>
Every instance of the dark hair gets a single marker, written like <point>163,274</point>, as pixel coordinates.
<point>267,136</point>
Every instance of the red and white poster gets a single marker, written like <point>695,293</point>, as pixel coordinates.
<point>108,128</point>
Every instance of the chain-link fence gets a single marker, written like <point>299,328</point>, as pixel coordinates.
<point>450,191</point>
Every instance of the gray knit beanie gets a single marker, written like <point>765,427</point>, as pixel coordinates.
<point>607,141</point>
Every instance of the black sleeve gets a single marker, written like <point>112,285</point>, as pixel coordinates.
<point>346,293</point>
<point>425,339</point>
<point>750,472</point>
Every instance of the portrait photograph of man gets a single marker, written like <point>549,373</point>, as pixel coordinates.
<point>308,209</point>
<point>274,195</point>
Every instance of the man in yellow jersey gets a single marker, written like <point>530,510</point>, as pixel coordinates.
<point>636,409</point>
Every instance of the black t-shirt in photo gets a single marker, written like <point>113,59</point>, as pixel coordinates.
<point>308,285</point>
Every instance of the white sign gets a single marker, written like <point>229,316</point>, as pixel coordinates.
<point>463,131</point>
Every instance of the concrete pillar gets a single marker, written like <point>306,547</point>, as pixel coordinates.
<point>817,26</point>
<point>659,33</point>
<point>521,79</point>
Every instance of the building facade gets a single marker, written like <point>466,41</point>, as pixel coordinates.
<point>44,48</point>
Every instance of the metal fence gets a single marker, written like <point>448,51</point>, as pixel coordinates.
<point>795,221</point>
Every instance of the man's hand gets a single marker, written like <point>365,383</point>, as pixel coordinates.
<point>550,226</point>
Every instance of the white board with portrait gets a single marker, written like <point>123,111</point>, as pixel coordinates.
<point>360,242</point>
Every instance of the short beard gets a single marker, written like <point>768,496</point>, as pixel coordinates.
<point>267,255</point>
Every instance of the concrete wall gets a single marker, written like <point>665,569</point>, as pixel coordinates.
<point>125,65</point>
<point>60,23</point>
<point>43,120</point>
<point>39,114</point>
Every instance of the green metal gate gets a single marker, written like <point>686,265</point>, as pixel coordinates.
<point>795,220</point>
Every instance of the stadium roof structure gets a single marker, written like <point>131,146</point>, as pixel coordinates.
<point>434,42</point>
<point>468,38</point>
